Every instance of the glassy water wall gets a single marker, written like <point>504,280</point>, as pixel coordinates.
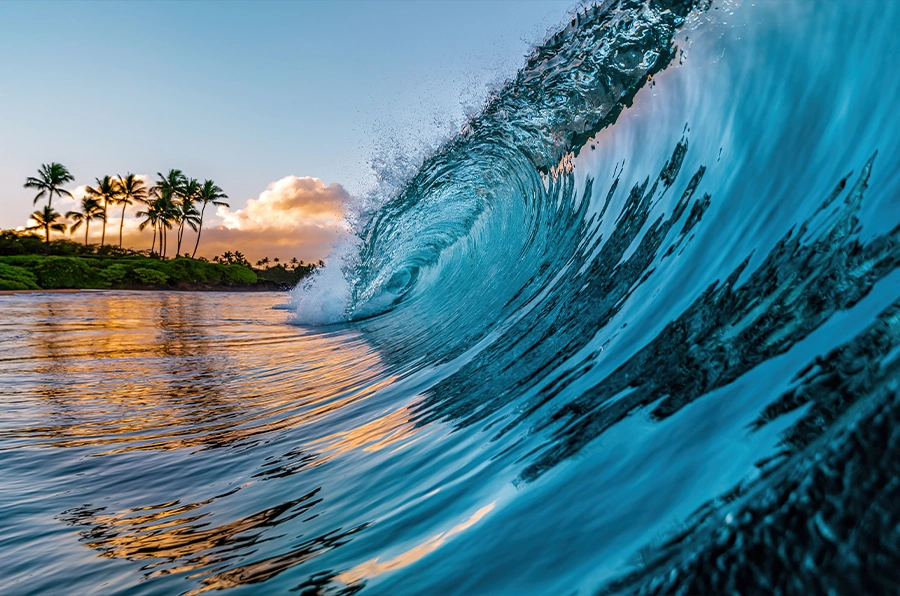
<point>634,330</point>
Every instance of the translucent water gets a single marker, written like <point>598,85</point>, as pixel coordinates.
<point>635,329</point>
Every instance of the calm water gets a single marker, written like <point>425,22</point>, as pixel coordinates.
<point>635,329</point>
<point>162,436</point>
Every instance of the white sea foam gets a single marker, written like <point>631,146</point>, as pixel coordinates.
<point>323,298</point>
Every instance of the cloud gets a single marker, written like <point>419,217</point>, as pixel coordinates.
<point>293,217</point>
<point>289,203</point>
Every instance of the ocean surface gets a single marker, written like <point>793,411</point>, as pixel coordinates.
<point>634,329</point>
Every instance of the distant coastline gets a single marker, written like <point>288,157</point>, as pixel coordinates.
<point>236,290</point>
<point>29,262</point>
<point>25,271</point>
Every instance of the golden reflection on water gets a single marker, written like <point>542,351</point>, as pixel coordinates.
<point>394,428</point>
<point>109,373</point>
<point>127,373</point>
<point>178,538</point>
<point>376,566</point>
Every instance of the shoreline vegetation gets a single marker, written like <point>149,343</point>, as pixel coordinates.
<point>29,262</point>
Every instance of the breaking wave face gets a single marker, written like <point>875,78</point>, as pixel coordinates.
<point>665,256</point>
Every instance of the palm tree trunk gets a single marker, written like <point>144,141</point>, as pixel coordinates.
<point>103,235</point>
<point>199,229</point>
<point>87,226</point>
<point>153,246</point>
<point>180,234</point>
<point>122,224</point>
<point>47,238</point>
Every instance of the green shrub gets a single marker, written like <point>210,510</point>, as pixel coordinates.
<point>284,276</point>
<point>188,270</point>
<point>115,273</point>
<point>26,261</point>
<point>238,274</point>
<point>149,276</point>
<point>16,278</point>
<point>8,284</point>
<point>18,243</point>
<point>98,271</point>
<point>67,248</point>
<point>66,272</point>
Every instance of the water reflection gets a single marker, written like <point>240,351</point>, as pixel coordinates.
<point>172,538</point>
<point>396,428</point>
<point>176,537</point>
<point>376,567</point>
<point>90,382</point>
<point>126,374</point>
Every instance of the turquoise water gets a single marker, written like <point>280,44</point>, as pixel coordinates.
<point>634,329</point>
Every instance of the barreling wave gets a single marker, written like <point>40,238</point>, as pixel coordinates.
<point>559,276</point>
<point>635,329</point>
<point>495,172</point>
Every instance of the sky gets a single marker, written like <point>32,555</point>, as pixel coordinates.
<point>284,105</point>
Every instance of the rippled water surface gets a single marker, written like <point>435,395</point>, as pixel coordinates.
<point>160,435</point>
<point>636,329</point>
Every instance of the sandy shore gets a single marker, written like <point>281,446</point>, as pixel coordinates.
<point>66,291</point>
<point>203,288</point>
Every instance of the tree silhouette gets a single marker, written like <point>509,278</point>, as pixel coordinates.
<point>131,189</point>
<point>90,209</point>
<point>106,192</point>
<point>167,190</point>
<point>47,219</point>
<point>48,181</point>
<point>186,213</point>
<point>209,194</point>
<point>152,215</point>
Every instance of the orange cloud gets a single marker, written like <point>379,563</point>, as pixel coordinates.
<point>289,203</point>
<point>293,217</point>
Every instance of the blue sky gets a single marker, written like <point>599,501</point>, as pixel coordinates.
<point>243,93</point>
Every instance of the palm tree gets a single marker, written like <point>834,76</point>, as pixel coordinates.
<point>90,209</point>
<point>131,189</point>
<point>160,213</point>
<point>169,185</point>
<point>168,214</point>
<point>48,181</point>
<point>47,219</point>
<point>209,194</point>
<point>167,188</point>
<point>106,192</point>
<point>186,212</point>
<point>152,215</point>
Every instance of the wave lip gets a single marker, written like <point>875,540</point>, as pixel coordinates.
<point>572,86</point>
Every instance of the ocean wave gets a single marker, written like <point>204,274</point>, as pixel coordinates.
<point>578,256</point>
